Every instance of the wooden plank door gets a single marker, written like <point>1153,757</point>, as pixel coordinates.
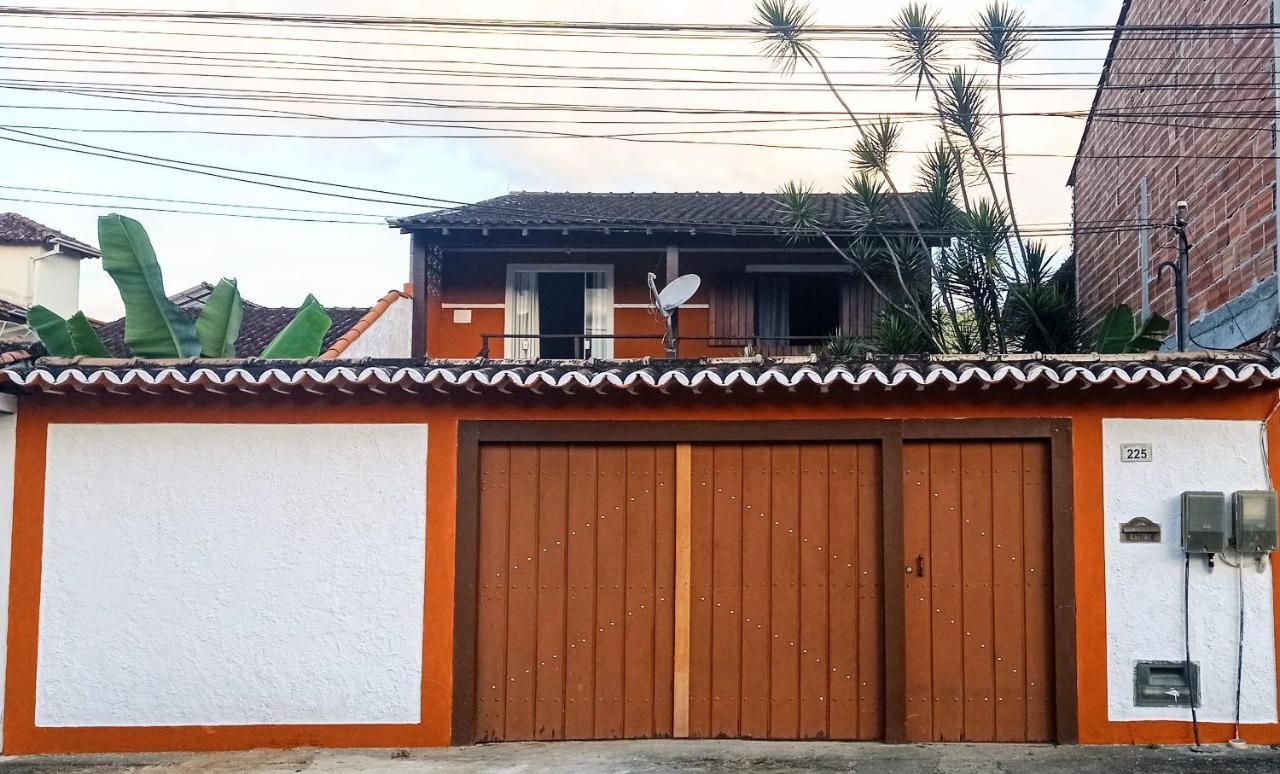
<point>978,590</point>
<point>786,637</point>
<point>575,608</point>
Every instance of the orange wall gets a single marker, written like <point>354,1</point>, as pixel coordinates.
<point>442,413</point>
<point>480,278</point>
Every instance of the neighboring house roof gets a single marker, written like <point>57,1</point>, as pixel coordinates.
<point>12,313</point>
<point>1103,78</point>
<point>18,229</point>
<point>690,377</point>
<point>657,211</point>
<point>375,312</point>
<point>260,325</point>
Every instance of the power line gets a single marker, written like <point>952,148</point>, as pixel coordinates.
<point>100,206</point>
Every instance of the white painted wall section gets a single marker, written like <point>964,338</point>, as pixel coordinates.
<point>1145,581</point>
<point>8,440</point>
<point>391,335</point>
<point>199,574</point>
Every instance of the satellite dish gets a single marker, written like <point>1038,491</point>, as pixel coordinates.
<point>669,299</point>
<point>678,293</point>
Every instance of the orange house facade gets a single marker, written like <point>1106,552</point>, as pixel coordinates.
<point>239,554</point>
<point>519,277</point>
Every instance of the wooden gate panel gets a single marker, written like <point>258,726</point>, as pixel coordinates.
<point>978,599</point>
<point>726,590</point>
<point>522,594</point>
<point>580,611</point>
<point>757,585</point>
<point>491,613</point>
<point>845,591</point>
<point>814,541</point>
<point>784,716</point>
<point>1007,518</point>
<point>1038,582</point>
<point>575,609</point>
<point>786,551</point>
<point>978,589</point>
<point>870,571</point>
<point>553,497</point>
<point>611,573</point>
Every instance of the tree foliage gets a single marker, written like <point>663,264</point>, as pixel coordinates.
<point>156,327</point>
<point>949,265</point>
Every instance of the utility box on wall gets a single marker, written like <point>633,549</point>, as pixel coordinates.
<point>1205,527</point>
<point>1255,521</point>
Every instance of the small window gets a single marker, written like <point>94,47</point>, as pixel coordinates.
<point>797,310</point>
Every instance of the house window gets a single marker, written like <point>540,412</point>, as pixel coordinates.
<point>797,309</point>
<point>554,310</point>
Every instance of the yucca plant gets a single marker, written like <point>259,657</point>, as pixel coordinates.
<point>844,346</point>
<point>1000,39</point>
<point>963,279</point>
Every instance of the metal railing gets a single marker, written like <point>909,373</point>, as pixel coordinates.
<point>580,340</point>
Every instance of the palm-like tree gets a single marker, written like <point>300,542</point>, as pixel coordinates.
<point>784,25</point>
<point>1001,38</point>
<point>970,303</point>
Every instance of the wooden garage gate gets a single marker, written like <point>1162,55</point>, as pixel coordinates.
<point>737,590</point>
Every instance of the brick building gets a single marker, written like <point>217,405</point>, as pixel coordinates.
<point>1183,115</point>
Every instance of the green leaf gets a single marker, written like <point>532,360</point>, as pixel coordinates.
<point>154,326</point>
<point>52,330</point>
<point>1122,332</point>
<point>219,321</point>
<point>303,336</point>
<point>85,338</point>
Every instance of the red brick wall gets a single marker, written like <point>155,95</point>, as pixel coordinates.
<point>1232,217</point>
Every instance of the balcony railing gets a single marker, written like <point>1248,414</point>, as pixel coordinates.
<point>768,345</point>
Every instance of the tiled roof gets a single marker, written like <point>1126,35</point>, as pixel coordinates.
<point>12,313</point>
<point>18,229</point>
<point>362,325</point>
<point>259,326</point>
<point>659,211</point>
<point>645,375</point>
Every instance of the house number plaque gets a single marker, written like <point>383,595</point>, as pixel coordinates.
<point>1135,452</point>
<point>1140,530</point>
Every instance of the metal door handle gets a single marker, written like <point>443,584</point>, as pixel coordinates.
<point>919,567</point>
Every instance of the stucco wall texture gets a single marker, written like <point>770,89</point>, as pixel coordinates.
<point>1158,125</point>
<point>223,574</point>
<point>1145,581</point>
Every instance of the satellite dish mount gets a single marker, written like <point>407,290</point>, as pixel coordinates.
<point>668,301</point>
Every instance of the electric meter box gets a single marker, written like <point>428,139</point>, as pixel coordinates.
<point>1205,526</point>
<point>1255,521</point>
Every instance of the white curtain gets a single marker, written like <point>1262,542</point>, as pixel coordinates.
<point>597,314</point>
<point>524,316</point>
<point>773,309</point>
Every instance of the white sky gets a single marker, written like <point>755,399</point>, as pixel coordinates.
<point>352,265</point>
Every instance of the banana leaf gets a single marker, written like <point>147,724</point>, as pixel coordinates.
<point>219,321</point>
<point>303,336</point>
<point>154,326</point>
<point>52,330</point>
<point>1123,332</point>
<point>86,340</point>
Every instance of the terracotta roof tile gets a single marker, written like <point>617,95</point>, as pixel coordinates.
<point>597,210</point>
<point>362,325</point>
<point>688,377</point>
